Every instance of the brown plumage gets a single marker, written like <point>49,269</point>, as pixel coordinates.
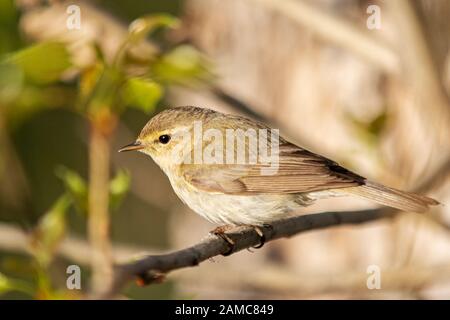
<point>301,171</point>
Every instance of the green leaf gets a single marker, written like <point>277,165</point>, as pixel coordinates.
<point>11,81</point>
<point>378,124</point>
<point>118,188</point>
<point>89,78</point>
<point>104,92</point>
<point>76,187</point>
<point>182,65</point>
<point>141,94</point>
<point>50,231</point>
<point>371,130</point>
<point>140,27</point>
<point>42,63</point>
<point>5,284</point>
<point>8,284</point>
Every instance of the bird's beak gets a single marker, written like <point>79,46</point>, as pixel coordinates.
<point>132,146</point>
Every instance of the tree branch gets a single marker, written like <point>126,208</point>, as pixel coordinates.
<point>152,268</point>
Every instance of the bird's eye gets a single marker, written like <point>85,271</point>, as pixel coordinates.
<point>164,139</point>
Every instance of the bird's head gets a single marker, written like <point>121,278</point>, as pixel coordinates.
<point>168,133</point>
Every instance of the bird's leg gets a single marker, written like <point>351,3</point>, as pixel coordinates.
<point>220,232</point>
<point>262,237</point>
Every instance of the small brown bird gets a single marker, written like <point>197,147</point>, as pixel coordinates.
<point>193,147</point>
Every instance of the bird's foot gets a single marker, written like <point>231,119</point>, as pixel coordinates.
<point>220,232</point>
<point>262,237</point>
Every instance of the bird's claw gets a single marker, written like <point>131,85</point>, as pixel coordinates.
<point>262,237</point>
<point>220,232</point>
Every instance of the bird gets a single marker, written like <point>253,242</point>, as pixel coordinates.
<point>190,145</point>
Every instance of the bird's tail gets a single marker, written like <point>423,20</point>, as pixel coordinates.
<point>402,200</point>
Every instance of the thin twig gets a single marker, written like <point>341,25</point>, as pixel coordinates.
<point>153,268</point>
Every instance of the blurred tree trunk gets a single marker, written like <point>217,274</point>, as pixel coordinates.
<point>99,220</point>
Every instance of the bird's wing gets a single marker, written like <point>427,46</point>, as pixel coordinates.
<point>299,171</point>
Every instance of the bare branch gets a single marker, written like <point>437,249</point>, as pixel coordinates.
<point>152,268</point>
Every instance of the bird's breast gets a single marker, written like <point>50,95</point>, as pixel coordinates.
<point>221,208</point>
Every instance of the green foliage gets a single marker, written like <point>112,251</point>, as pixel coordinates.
<point>42,63</point>
<point>88,79</point>
<point>76,187</point>
<point>8,284</point>
<point>30,82</point>
<point>369,131</point>
<point>104,91</point>
<point>140,28</point>
<point>135,92</point>
<point>182,65</point>
<point>378,124</point>
<point>5,284</point>
<point>11,81</point>
<point>142,94</point>
<point>50,231</point>
<point>118,188</point>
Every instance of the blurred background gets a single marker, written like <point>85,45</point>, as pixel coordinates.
<point>365,83</point>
